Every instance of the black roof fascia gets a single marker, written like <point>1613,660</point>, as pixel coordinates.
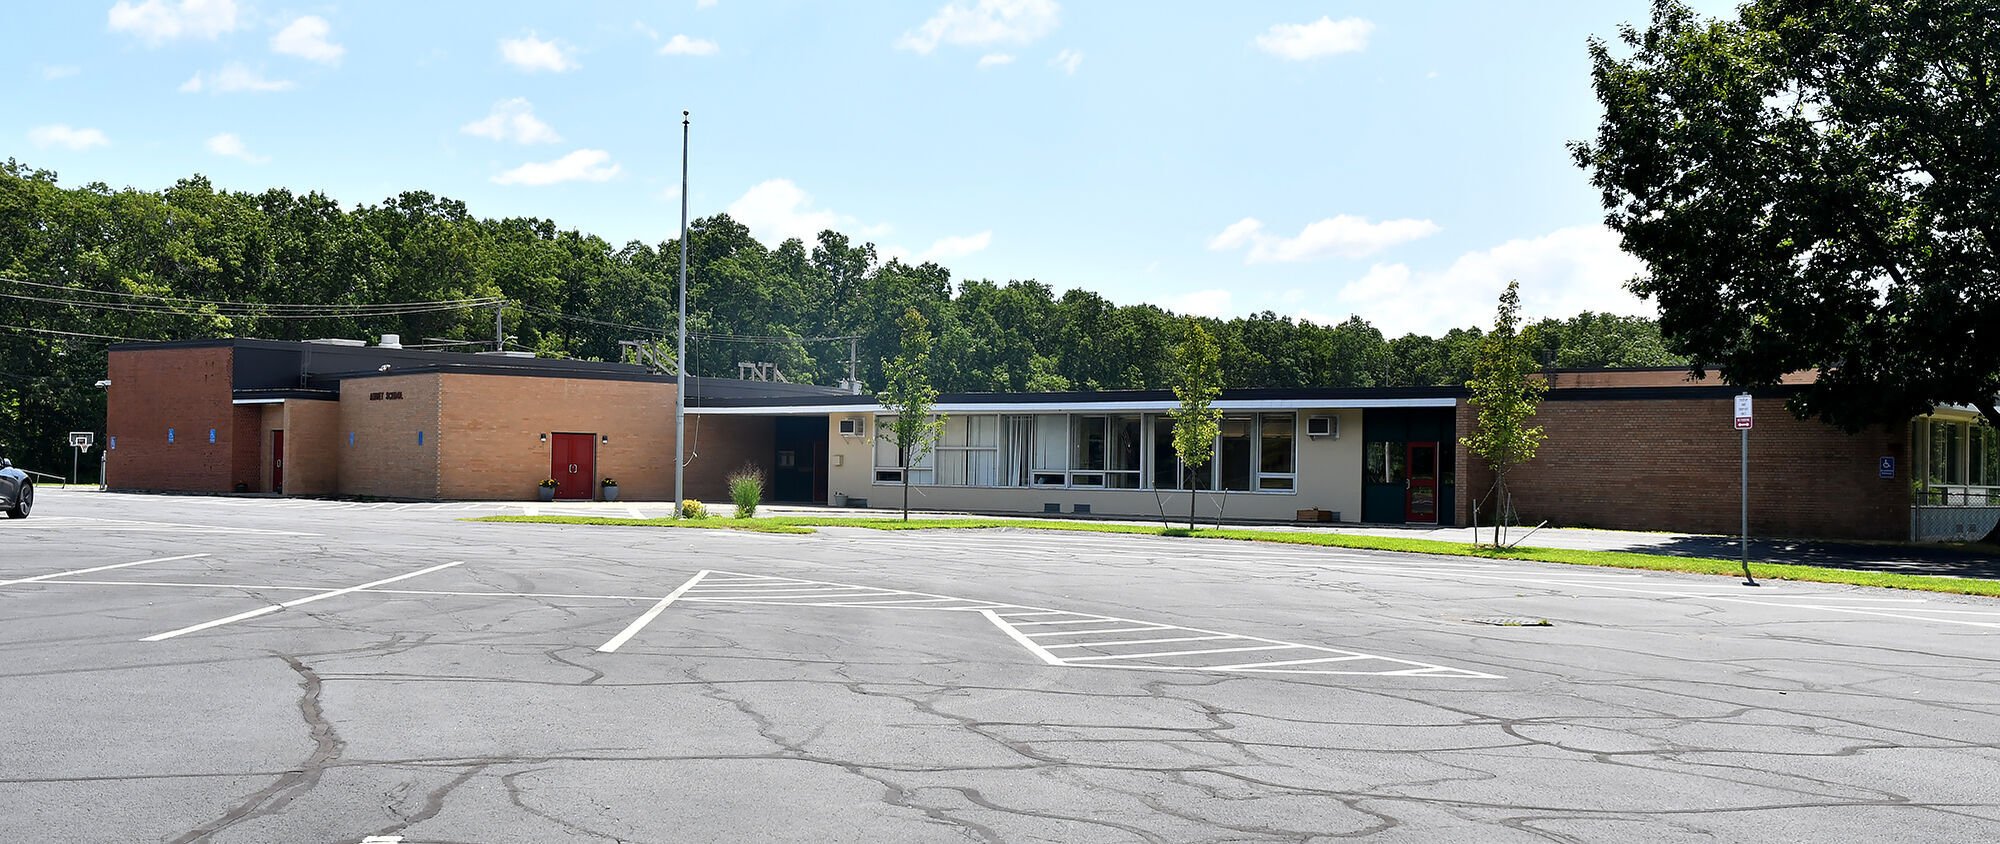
<point>285,393</point>
<point>1701,393</point>
<point>1298,394</point>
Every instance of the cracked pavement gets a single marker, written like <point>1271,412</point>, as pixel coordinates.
<point>470,704</point>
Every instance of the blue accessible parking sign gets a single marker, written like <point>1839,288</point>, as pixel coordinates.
<point>1888,469</point>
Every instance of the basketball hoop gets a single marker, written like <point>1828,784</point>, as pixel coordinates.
<point>82,440</point>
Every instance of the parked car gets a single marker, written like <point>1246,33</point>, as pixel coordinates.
<point>17,492</point>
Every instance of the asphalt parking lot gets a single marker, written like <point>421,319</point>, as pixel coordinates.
<point>258,670</point>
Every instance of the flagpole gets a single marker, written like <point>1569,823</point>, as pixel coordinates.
<point>680,355</point>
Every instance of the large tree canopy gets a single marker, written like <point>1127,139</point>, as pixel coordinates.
<point>1815,184</point>
<point>81,267</point>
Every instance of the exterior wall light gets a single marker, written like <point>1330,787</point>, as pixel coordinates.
<point>605,440</point>
<point>545,438</point>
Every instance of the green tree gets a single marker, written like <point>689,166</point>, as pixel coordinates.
<point>910,396</point>
<point>1815,185</point>
<point>1506,395</point>
<point>1197,382</point>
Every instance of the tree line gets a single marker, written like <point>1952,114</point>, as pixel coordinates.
<point>83,267</point>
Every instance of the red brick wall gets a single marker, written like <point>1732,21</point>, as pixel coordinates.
<point>188,390</point>
<point>247,447</point>
<point>1672,465</point>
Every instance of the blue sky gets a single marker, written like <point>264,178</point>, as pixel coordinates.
<point>1396,160</point>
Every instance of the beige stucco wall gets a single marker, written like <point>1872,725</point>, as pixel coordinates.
<point>385,460</point>
<point>1329,479</point>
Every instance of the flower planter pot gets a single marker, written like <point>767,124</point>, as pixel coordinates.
<point>610,493</point>
<point>545,493</point>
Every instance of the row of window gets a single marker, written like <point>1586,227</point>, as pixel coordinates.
<point>1963,453</point>
<point>1253,453</point>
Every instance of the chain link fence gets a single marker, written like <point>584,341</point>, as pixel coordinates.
<point>1953,515</point>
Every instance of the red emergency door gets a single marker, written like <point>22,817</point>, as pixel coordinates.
<point>573,463</point>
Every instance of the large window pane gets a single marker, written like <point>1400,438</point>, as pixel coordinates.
<point>1166,468</point>
<point>982,431</point>
<point>1232,456</point>
<point>1382,462</point>
<point>885,451</point>
<point>1123,443</point>
<point>1086,439</point>
<point>1276,456</point>
<point>1954,472</point>
<point>1051,443</point>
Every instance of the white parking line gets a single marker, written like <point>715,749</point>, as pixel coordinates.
<point>1159,654</point>
<point>40,578</point>
<point>244,616</point>
<point>1528,578</point>
<point>640,623</point>
<point>1144,641</point>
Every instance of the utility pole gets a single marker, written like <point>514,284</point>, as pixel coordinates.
<point>681,351</point>
<point>500,326</point>
<point>853,354</point>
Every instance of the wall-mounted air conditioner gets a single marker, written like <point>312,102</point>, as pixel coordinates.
<point>1323,426</point>
<point>851,426</point>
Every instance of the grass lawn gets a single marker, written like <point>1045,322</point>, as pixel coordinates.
<point>1614,559</point>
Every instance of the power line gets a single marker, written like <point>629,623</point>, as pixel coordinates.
<point>75,334</point>
<point>255,311</point>
<point>182,300</point>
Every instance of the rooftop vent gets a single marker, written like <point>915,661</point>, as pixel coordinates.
<point>338,341</point>
<point>391,341</point>
<point>507,354</point>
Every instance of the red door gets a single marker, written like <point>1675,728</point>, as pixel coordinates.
<point>1421,505</point>
<point>573,463</point>
<point>278,461</point>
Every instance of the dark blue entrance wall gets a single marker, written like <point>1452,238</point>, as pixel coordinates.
<point>1383,475</point>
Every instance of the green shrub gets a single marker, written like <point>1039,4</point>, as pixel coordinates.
<point>746,488</point>
<point>692,509</point>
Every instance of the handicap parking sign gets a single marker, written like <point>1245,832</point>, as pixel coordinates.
<point>1888,468</point>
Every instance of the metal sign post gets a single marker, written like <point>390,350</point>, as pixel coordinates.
<point>1743,422</point>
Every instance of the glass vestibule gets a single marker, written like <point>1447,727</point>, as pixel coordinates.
<point>1960,462</point>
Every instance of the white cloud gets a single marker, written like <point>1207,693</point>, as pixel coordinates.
<point>230,146</point>
<point>234,78</point>
<point>981,23</point>
<point>531,54</point>
<point>1562,273</point>
<point>512,120</point>
<point>957,246</point>
<point>777,210</point>
<point>1208,303</point>
<point>1237,234</point>
<point>1323,37</point>
<point>1343,236</point>
<point>1067,60</point>
<point>158,21</point>
<point>681,45</point>
<point>61,135</point>
<point>60,71</point>
<point>641,28</point>
<point>995,60</point>
<point>307,39</point>
<point>584,165</point>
